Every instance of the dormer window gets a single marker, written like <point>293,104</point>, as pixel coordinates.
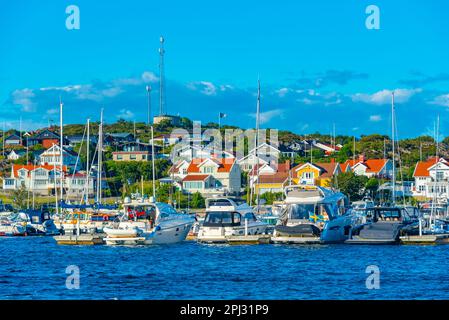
<point>208,169</point>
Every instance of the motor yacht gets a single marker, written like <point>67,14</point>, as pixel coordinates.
<point>385,227</point>
<point>145,222</point>
<point>227,217</point>
<point>314,215</point>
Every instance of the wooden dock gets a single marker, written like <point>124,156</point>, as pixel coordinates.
<point>426,239</point>
<point>295,240</point>
<point>82,239</point>
<point>249,239</point>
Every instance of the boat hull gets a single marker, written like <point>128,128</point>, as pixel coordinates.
<point>221,234</point>
<point>163,234</point>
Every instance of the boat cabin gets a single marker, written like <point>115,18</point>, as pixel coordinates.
<point>227,218</point>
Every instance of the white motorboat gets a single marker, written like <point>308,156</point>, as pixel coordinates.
<point>9,227</point>
<point>6,210</point>
<point>314,215</point>
<point>146,222</point>
<point>37,222</point>
<point>227,217</point>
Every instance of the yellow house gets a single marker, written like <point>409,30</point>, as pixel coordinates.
<point>317,174</point>
<point>270,179</point>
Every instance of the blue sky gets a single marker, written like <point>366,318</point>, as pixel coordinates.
<point>317,61</point>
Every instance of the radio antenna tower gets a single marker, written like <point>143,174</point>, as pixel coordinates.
<point>162,110</point>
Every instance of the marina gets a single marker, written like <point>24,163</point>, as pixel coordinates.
<point>243,151</point>
<point>195,271</point>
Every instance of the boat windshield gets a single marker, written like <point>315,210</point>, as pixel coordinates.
<point>225,202</point>
<point>309,211</point>
<point>387,214</point>
<point>216,219</point>
<point>249,216</point>
<point>165,209</point>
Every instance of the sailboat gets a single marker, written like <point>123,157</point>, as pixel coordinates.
<point>387,224</point>
<point>83,223</point>
<point>145,221</point>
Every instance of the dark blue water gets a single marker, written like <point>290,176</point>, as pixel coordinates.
<point>35,268</point>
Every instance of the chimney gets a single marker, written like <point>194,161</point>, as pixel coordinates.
<point>287,165</point>
<point>332,160</point>
<point>362,158</point>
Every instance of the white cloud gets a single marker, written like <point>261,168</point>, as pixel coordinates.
<point>125,114</point>
<point>149,76</point>
<point>282,92</point>
<point>23,98</point>
<point>384,96</point>
<point>375,118</point>
<point>267,116</point>
<point>442,100</point>
<point>205,87</point>
<point>68,88</point>
<point>53,111</point>
<point>225,87</point>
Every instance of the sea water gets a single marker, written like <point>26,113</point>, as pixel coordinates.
<point>38,268</point>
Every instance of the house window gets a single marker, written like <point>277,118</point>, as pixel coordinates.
<point>307,175</point>
<point>193,185</point>
<point>132,156</point>
<point>439,175</point>
<point>119,157</point>
<point>184,171</point>
<point>208,169</point>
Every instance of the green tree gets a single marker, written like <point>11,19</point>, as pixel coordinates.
<point>371,186</point>
<point>197,201</point>
<point>350,184</point>
<point>20,197</point>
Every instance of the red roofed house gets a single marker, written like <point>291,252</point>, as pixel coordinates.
<point>52,155</point>
<point>369,167</point>
<point>212,176</point>
<point>271,178</point>
<point>318,174</point>
<point>431,179</point>
<point>37,178</point>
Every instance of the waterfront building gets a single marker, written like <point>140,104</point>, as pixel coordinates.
<point>52,156</point>
<point>13,140</point>
<point>431,179</point>
<point>270,178</point>
<point>263,154</point>
<point>379,168</point>
<point>316,173</point>
<point>212,176</point>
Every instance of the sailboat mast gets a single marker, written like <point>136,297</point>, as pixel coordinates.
<point>152,163</point>
<point>257,140</point>
<point>55,186</point>
<point>88,161</point>
<point>61,148</point>
<point>393,150</point>
<point>100,157</point>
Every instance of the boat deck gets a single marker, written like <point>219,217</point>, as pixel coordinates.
<point>426,239</point>
<point>296,240</point>
<point>82,239</point>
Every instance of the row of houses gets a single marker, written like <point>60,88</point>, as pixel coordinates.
<point>47,138</point>
<point>271,179</point>
<point>223,175</point>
